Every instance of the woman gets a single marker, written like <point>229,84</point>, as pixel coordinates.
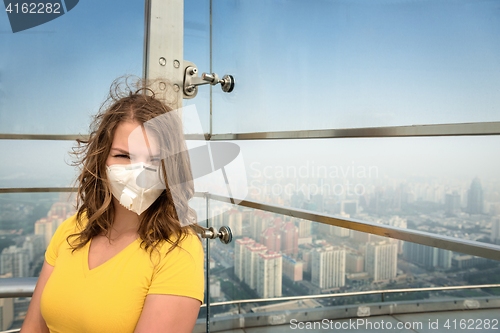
<point>128,261</point>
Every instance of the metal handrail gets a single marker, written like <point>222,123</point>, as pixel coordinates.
<point>457,129</point>
<point>17,287</point>
<point>27,284</point>
<point>354,293</point>
<point>24,287</point>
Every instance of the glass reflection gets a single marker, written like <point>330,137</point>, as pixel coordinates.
<point>274,255</point>
<point>36,163</point>
<point>52,77</point>
<point>348,64</point>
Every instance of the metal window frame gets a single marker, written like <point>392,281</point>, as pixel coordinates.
<point>434,130</point>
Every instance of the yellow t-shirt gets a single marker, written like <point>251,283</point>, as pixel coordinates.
<point>110,297</point>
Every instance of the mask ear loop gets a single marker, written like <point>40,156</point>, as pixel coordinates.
<point>146,89</point>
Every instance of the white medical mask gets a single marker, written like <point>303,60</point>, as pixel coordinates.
<point>135,185</point>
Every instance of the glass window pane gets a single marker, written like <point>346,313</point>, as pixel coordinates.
<point>27,223</point>
<point>345,64</point>
<point>274,255</point>
<point>54,76</point>
<point>444,185</point>
<point>36,163</point>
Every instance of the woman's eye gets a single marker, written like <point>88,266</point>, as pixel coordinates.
<point>123,156</point>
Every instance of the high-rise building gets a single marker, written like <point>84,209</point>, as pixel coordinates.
<point>292,268</point>
<point>35,245</point>
<point>271,238</point>
<point>304,228</point>
<point>252,252</point>
<point>289,238</point>
<point>349,207</point>
<point>14,260</point>
<point>44,228</point>
<point>340,232</point>
<point>355,262</point>
<point>427,256</point>
<point>61,209</point>
<point>452,203</point>
<point>239,256</point>
<point>234,219</point>
<point>381,260</point>
<point>495,230</point>
<point>399,222</point>
<point>297,200</point>
<point>328,267</point>
<point>259,221</point>
<point>269,274</point>
<point>217,216</point>
<point>475,198</point>
<point>6,313</point>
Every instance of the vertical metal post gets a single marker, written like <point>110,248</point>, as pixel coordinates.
<point>207,278</point>
<point>210,130</point>
<point>163,49</point>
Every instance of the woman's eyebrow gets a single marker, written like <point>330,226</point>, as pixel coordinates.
<point>121,151</point>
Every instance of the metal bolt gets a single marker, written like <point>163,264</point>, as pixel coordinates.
<point>194,71</point>
<point>163,61</point>
<point>176,87</point>
<point>177,63</point>
<point>163,86</point>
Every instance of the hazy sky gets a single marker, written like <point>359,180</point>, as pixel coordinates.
<point>297,64</point>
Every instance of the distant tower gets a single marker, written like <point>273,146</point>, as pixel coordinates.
<point>427,256</point>
<point>239,256</point>
<point>381,260</point>
<point>252,252</point>
<point>475,198</point>
<point>269,274</point>
<point>271,238</point>
<point>44,228</point>
<point>495,230</point>
<point>452,203</point>
<point>328,267</point>
<point>298,199</point>
<point>290,238</point>
<point>234,219</point>
<point>14,260</point>
<point>259,222</point>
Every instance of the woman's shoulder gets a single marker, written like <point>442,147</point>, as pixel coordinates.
<point>189,241</point>
<point>72,225</point>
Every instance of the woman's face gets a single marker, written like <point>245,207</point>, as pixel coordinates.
<point>132,144</point>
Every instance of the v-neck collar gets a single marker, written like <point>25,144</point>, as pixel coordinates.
<point>86,267</point>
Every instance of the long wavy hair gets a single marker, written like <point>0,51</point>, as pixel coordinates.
<point>169,218</point>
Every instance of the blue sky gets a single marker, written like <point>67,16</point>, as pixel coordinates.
<point>337,64</point>
<point>297,64</point>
